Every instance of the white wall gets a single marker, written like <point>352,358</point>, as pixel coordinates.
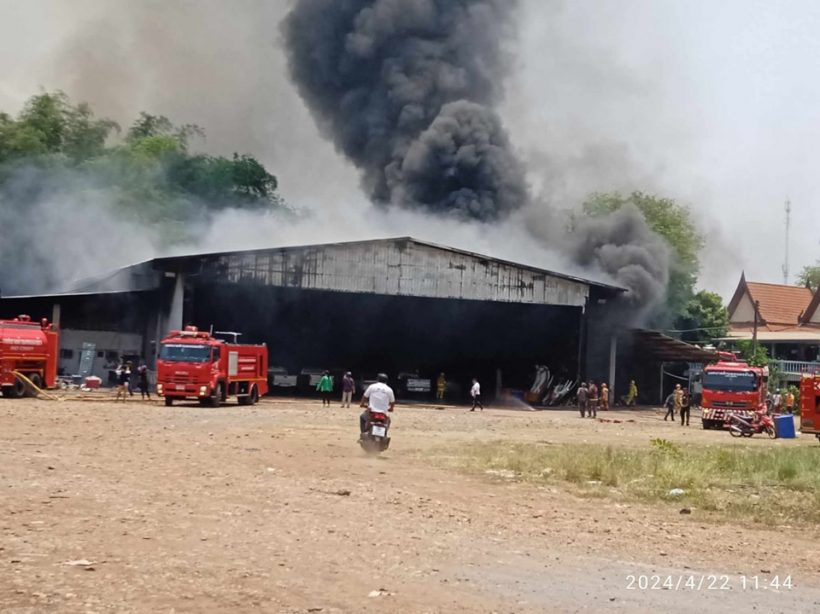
<point>745,311</point>
<point>107,342</point>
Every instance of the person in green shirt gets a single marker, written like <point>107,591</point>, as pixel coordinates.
<point>325,388</point>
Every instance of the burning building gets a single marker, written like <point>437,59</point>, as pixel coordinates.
<point>398,305</point>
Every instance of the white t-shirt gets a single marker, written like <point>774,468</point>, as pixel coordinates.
<point>475,390</point>
<point>380,397</point>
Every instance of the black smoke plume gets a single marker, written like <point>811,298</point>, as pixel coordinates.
<point>622,246</point>
<point>405,89</point>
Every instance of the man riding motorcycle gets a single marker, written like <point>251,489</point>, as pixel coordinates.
<point>378,398</point>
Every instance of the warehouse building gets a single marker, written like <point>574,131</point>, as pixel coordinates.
<point>398,305</point>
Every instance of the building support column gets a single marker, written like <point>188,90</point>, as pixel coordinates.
<point>613,354</point>
<point>660,392</point>
<point>175,312</point>
<point>170,318</point>
<point>56,311</point>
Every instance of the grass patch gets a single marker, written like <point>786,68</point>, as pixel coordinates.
<point>769,485</point>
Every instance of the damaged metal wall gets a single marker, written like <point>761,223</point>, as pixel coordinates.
<point>400,267</point>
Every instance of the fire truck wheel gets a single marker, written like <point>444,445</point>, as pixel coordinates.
<point>37,381</point>
<point>169,401</point>
<point>254,398</point>
<point>16,390</point>
<point>216,397</point>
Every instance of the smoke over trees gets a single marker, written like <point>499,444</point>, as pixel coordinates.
<point>674,224</point>
<point>106,205</point>
<point>407,90</point>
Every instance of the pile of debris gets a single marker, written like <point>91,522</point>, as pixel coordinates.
<point>548,390</point>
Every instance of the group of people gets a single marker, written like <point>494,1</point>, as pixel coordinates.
<point>124,373</point>
<point>325,389</point>
<point>778,402</point>
<point>678,401</point>
<point>590,398</point>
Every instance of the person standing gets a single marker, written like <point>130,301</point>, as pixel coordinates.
<point>583,399</point>
<point>670,406</point>
<point>475,392</point>
<point>777,402</point>
<point>142,381</point>
<point>632,394</point>
<point>593,400</point>
<point>697,391</point>
<point>123,374</point>
<point>128,386</point>
<point>604,397</point>
<point>325,388</point>
<point>348,388</point>
<point>678,399</point>
<point>685,408</point>
<point>441,386</point>
<point>789,402</point>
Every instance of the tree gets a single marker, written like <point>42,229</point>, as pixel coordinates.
<point>704,319</point>
<point>674,223</point>
<point>756,355</point>
<point>60,163</point>
<point>810,276</point>
<point>50,124</point>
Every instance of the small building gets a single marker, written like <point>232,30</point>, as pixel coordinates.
<point>785,319</point>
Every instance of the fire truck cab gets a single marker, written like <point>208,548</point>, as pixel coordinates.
<point>732,386</point>
<point>195,365</point>
<point>810,404</point>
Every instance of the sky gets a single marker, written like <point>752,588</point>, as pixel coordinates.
<point>714,104</point>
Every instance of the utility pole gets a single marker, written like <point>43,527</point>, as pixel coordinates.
<point>788,227</point>
<point>754,333</point>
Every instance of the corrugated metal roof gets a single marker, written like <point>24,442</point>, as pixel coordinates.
<point>407,239</point>
<point>668,349</point>
<point>401,266</point>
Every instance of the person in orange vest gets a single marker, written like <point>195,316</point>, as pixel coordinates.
<point>604,397</point>
<point>790,402</point>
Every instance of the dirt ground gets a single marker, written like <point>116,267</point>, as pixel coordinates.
<point>274,508</point>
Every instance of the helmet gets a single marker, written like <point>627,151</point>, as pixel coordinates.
<point>382,378</point>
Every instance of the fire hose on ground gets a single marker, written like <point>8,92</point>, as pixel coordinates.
<point>37,389</point>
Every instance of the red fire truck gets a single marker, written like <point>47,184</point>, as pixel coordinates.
<point>29,348</point>
<point>196,365</point>
<point>732,386</point>
<point>810,404</point>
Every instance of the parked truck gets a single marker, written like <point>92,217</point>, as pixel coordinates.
<point>31,349</point>
<point>732,386</point>
<point>196,365</point>
<point>810,404</point>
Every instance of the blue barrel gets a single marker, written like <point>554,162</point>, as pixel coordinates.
<point>784,426</point>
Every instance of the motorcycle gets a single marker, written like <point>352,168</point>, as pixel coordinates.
<point>375,439</point>
<point>741,427</point>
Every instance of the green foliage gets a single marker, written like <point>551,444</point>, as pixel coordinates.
<point>755,355</point>
<point>665,447</point>
<point>150,175</point>
<point>705,318</point>
<point>810,276</point>
<point>719,478</point>
<point>674,223</point>
<point>147,126</point>
<point>50,124</point>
